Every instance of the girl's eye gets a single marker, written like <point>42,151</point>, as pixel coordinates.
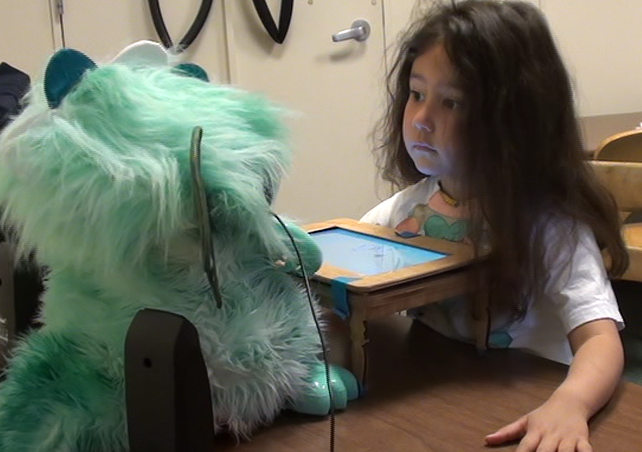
<point>416,95</point>
<point>450,104</point>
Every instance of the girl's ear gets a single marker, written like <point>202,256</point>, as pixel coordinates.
<point>64,70</point>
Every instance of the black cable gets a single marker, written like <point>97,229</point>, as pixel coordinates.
<point>192,32</point>
<point>159,23</point>
<point>279,33</point>
<point>197,25</point>
<point>324,352</point>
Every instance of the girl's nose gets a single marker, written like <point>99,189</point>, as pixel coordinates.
<point>424,120</point>
<point>424,125</point>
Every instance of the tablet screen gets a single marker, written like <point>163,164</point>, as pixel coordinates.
<point>366,254</point>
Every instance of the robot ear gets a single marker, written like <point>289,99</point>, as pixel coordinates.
<point>143,53</point>
<point>192,70</point>
<point>150,53</point>
<point>64,70</point>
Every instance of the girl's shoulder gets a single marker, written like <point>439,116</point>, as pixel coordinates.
<point>566,242</point>
<point>418,193</point>
<point>556,227</point>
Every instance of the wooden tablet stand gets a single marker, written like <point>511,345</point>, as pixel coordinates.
<point>359,298</point>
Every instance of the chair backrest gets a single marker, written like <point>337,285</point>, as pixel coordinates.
<point>624,147</point>
<point>623,180</point>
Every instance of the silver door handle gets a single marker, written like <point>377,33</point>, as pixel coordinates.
<point>359,31</point>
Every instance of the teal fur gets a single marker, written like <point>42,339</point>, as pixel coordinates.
<point>99,188</point>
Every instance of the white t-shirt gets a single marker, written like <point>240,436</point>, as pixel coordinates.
<point>577,289</point>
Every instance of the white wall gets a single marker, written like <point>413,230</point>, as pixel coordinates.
<point>600,42</point>
<point>27,34</point>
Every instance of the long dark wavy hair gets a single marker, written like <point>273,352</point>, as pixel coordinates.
<point>524,162</point>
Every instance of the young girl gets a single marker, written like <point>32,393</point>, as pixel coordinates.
<point>481,134</point>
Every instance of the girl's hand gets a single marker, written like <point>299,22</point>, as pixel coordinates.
<point>561,424</point>
<point>556,426</point>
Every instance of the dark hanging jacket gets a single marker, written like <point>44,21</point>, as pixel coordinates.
<point>27,279</point>
<point>13,85</point>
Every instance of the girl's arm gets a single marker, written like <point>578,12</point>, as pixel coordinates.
<point>561,423</point>
<point>597,364</point>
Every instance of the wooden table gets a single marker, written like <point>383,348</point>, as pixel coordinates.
<point>431,394</point>
<point>596,129</point>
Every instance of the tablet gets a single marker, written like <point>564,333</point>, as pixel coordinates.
<point>371,257</point>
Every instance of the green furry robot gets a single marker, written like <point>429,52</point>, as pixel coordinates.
<point>96,179</point>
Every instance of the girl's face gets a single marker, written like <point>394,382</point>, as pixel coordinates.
<point>433,115</point>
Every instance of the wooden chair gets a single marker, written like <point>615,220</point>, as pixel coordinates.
<point>623,147</point>
<point>624,181</point>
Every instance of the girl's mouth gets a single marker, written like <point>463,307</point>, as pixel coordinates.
<point>423,147</point>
